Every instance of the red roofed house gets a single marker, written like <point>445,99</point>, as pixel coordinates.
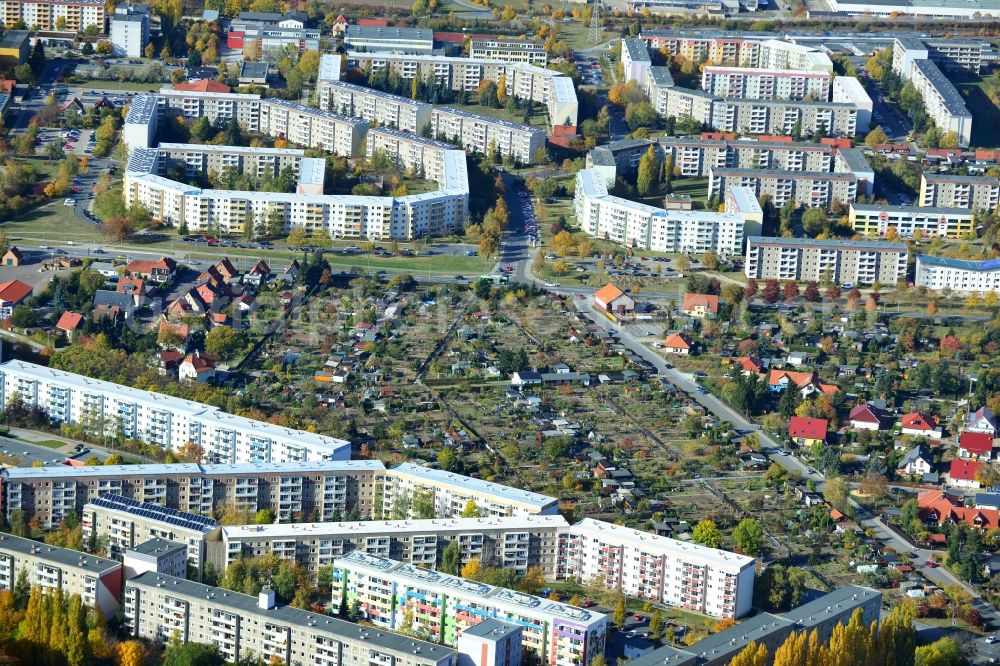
<point>203,85</point>
<point>700,305</point>
<point>749,365</point>
<point>868,417</point>
<point>178,334</point>
<point>12,294</point>
<point>678,343</point>
<point>939,508</point>
<point>919,425</point>
<point>258,274</point>
<point>975,446</point>
<point>806,431</point>
<point>610,298</point>
<point>339,25</point>
<point>167,362</point>
<point>962,473</point>
<point>69,323</point>
<point>806,382</point>
<point>196,367</point>
<point>160,270</point>
<point>134,287</point>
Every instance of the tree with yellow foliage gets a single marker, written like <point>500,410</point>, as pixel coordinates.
<point>471,569</point>
<point>754,654</point>
<point>130,653</point>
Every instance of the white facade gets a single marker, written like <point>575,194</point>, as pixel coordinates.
<point>161,420</point>
<point>777,54</point>
<point>130,30</point>
<point>944,104</point>
<point>374,106</point>
<point>139,130</point>
<point>706,580</point>
<point>635,60</point>
<point>750,83</point>
<point>646,227</point>
<point>848,90</point>
<point>479,134</point>
<point>963,277</point>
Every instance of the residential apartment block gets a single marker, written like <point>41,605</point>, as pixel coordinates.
<point>479,134</point>
<point>442,606</point>
<point>139,130</point>
<point>638,225</point>
<point>739,50</point>
<point>130,30</point>
<point>877,220</point>
<point>203,158</point>
<point>451,493</point>
<point>161,420</point>
<point>848,90</point>
<point>802,259</point>
<point>779,54</point>
<point>635,60</point>
<point>410,152</point>
<point>683,574</point>
<point>97,580</point>
<point>751,83</point>
<point>524,81</point>
<point>512,542</point>
<point>509,50</point>
<point>813,189</point>
<point>960,276</point>
<point>126,524</point>
<point>43,14</point>
<point>374,106</point>
<point>976,193</point>
<point>156,606</point>
<point>944,104</point>
<point>950,54</point>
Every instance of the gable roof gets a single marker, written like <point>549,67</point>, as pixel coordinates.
<point>203,85</point>
<point>146,266</point>
<point>179,329</point>
<point>916,421</point>
<point>749,364</point>
<point>947,508</point>
<point>914,454</point>
<point>867,413</point>
<point>226,268</point>
<point>807,428</point>
<point>964,470</point>
<point>14,291</point>
<point>198,362</point>
<point>976,442</point>
<point>14,252</point>
<point>608,293</point>
<point>983,413</point>
<point>260,268</point>
<point>69,321</point>
<point>677,341</point>
<point>708,301</point>
<point>800,379</point>
<point>128,285</point>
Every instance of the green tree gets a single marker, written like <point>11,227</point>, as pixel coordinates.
<point>707,533</point>
<point>656,625</point>
<point>814,221</point>
<point>619,612</point>
<point>191,654</point>
<point>451,558</point>
<point>749,536</point>
<point>224,342</point>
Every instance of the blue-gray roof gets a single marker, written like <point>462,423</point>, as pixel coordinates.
<point>963,264</point>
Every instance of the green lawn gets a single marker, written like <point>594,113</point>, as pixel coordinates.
<point>696,188</point>
<point>51,222</point>
<point>540,118</point>
<point>47,443</point>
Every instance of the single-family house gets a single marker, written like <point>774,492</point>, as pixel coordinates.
<point>613,300</point>
<point>12,294</point>
<point>678,343</point>
<point>975,446</point>
<point>167,361</point>
<point>940,508</point>
<point>525,378</point>
<point>808,383</point>
<point>160,270</point>
<point>258,275</point>
<point>700,305</point>
<point>749,365</point>
<point>916,462</point>
<point>69,323</point>
<point>918,424</point>
<point>983,420</point>
<point>136,288</point>
<point>962,473</point>
<point>291,272</point>
<point>172,334</point>
<point>12,257</point>
<point>226,269</point>
<point>112,304</point>
<point>245,303</point>
<point>806,431</point>
<point>196,367</point>
<point>867,416</point>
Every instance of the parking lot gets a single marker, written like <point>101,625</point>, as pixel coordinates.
<point>590,71</point>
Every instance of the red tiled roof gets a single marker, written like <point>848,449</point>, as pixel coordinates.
<point>916,421</point>
<point>865,413</point>
<point>800,379</point>
<point>807,428</point>
<point>127,285</point>
<point>707,301</point>
<point>199,362</point>
<point>749,364</point>
<point>203,85</point>
<point>946,508</point>
<point>14,291</point>
<point>69,321</point>
<point>964,470</point>
<point>374,22</point>
<point>975,442</point>
<point>170,356</point>
<point>677,341</point>
<point>607,293</point>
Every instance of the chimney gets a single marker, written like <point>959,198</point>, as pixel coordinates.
<point>265,600</point>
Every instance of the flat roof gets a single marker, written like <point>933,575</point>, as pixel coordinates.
<point>194,410</point>
<point>372,92</point>
<point>192,469</point>
<point>952,99</point>
<point>627,536</point>
<point>562,89</point>
<point>156,547</point>
<point>390,33</point>
<point>734,639</point>
<point>413,576</point>
<point>753,71</point>
<point>513,44</point>
<point>329,67</point>
<point>744,199</point>
<point>320,113</point>
<point>318,622</point>
<point>149,511</point>
<point>637,50</point>
<point>916,211</point>
<point>361,527</point>
<point>470,485</point>
<point>409,137</point>
<point>499,122</point>
<point>492,629</point>
<point>661,76</point>
<point>791,102</point>
<point>665,656</point>
<point>141,161</point>
<point>828,243</point>
<point>143,109</point>
<point>212,148</point>
<point>62,556</point>
<point>836,602</point>
<point>855,159</point>
<point>987,266</point>
<point>780,173</point>
<point>198,94</point>
<point>12,39</point>
<point>968,180</point>
<point>254,70</point>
